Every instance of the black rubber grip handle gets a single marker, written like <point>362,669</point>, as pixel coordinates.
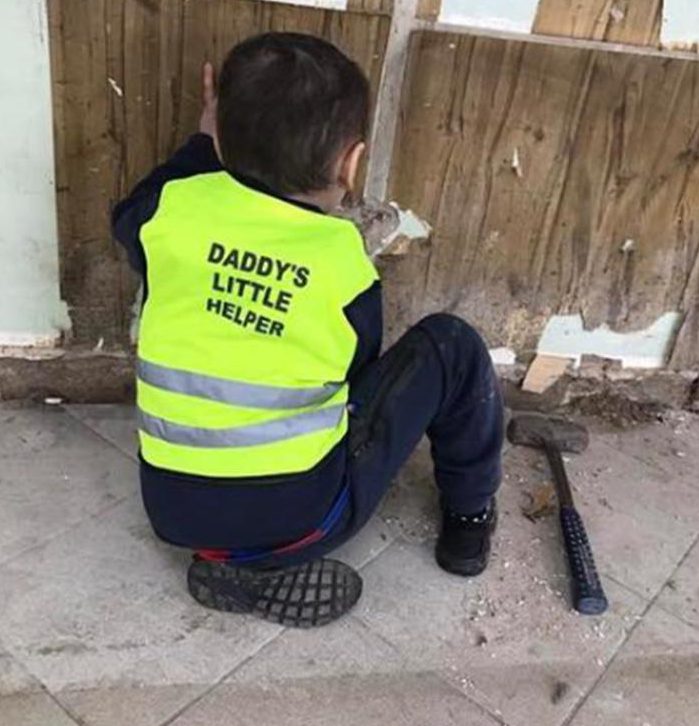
<point>588,595</point>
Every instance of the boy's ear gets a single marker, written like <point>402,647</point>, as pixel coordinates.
<point>350,165</point>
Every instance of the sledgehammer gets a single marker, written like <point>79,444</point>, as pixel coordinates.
<point>555,435</point>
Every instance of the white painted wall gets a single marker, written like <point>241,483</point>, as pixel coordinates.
<point>331,4</point>
<point>31,312</point>
<point>680,17</point>
<point>680,21</point>
<point>512,15</point>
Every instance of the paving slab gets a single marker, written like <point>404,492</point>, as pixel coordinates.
<point>373,539</point>
<point>639,522</point>
<point>127,705</point>
<point>653,680</point>
<point>53,474</point>
<point>374,700</point>
<point>669,445</point>
<point>346,648</point>
<point>680,595</point>
<point>115,422</point>
<point>23,702</point>
<point>104,606</point>
<point>507,639</point>
<point>410,508</point>
<point>32,709</point>
<point>14,678</point>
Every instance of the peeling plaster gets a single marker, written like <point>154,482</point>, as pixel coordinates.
<point>565,336</point>
<point>410,226</point>
<point>503,356</point>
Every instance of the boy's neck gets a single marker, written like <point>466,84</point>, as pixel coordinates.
<point>328,199</point>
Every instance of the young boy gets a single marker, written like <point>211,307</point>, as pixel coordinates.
<point>270,426</point>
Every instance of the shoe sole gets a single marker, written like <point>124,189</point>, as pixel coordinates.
<point>303,596</point>
<point>464,568</point>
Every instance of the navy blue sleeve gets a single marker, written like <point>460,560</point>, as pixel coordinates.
<point>365,315</point>
<point>197,156</point>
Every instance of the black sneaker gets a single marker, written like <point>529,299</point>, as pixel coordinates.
<point>463,547</point>
<point>303,596</point>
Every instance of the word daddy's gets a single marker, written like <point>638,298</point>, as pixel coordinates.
<point>262,284</point>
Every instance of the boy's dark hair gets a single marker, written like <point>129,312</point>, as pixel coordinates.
<point>288,104</point>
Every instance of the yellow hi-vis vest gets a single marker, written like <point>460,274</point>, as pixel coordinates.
<point>243,346</point>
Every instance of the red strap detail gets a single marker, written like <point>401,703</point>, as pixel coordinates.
<point>213,555</point>
<point>301,543</point>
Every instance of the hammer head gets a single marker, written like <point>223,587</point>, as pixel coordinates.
<point>531,429</point>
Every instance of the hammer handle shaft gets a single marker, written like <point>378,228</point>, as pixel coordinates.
<point>565,494</point>
<point>587,592</point>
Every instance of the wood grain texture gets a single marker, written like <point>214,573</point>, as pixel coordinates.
<point>429,9</point>
<point>637,22</point>
<point>126,77</point>
<point>373,7</point>
<point>607,149</point>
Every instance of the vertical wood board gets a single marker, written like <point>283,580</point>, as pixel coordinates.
<point>557,180</point>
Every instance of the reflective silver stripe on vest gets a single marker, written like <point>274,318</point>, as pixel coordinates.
<point>237,393</point>
<point>251,435</point>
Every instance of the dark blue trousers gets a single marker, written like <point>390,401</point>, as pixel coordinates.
<point>438,380</point>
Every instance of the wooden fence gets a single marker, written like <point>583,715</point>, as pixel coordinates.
<point>558,176</point>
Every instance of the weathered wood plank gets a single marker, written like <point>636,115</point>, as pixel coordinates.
<point>86,166</point>
<point>636,22</point>
<point>373,7</point>
<point>535,164</point>
<point>429,9</point>
<point>126,77</point>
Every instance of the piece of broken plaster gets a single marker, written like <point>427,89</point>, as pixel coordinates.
<point>115,87</point>
<point>386,228</point>
<point>517,164</point>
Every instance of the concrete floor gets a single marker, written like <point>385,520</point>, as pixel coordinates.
<point>96,626</point>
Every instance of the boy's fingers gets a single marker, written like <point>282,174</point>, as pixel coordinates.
<point>208,83</point>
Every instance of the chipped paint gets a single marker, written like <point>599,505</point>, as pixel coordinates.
<point>503,356</point>
<point>566,337</point>
<point>515,16</point>
<point>410,227</point>
<point>115,87</point>
<point>680,27</point>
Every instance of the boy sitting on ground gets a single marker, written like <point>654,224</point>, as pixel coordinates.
<point>270,425</point>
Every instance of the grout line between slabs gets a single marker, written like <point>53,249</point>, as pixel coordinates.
<point>496,716</point>
<point>396,542</point>
<point>585,697</point>
<point>674,615</point>
<point>128,454</point>
<point>173,717</point>
<point>73,717</point>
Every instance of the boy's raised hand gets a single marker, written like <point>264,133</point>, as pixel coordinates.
<point>207,122</point>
